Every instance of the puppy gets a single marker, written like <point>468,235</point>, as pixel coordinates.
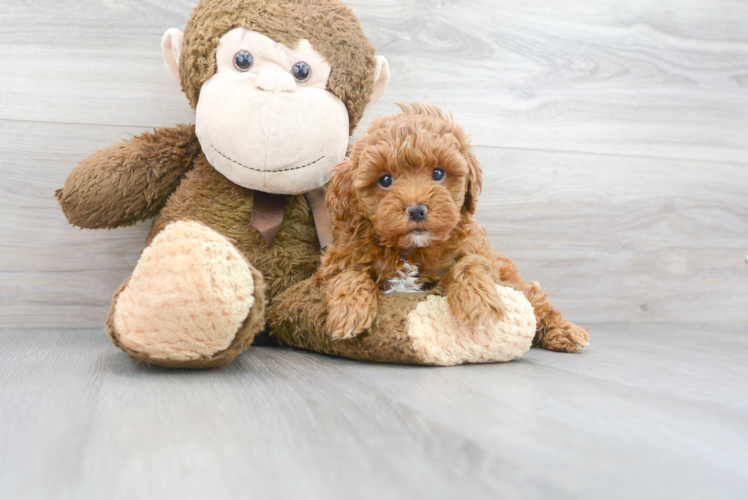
<point>402,206</point>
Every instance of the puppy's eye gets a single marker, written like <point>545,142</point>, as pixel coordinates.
<point>243,60</point>
<point>386,181</point>
<point>301,71</point>
<point>438,175</point>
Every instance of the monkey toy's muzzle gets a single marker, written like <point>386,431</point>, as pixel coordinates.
<point>268,134</point>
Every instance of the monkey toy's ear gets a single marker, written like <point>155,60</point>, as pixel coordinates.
<point>171,48</point>
<point>381,80</point>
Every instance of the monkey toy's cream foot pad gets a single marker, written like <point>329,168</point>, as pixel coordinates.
<point>410,328</point>
<point>440,339</point>
<point>192,301</point>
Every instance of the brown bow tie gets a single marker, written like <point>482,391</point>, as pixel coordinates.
<point>267,215</point>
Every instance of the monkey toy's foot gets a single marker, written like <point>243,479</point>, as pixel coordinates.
<point>193,300</point>
<point>410,328</point>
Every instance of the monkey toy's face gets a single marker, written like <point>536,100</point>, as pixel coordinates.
<point>265,119</point>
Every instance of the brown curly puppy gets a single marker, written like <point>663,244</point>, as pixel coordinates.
<point>402,205</point>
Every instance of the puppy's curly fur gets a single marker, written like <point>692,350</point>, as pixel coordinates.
<point>406,196</point>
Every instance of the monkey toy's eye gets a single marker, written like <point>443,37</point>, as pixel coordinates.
<point>243,60</point>
<point>386,181</point>
<point>301,71</point>
<point>438,175</point>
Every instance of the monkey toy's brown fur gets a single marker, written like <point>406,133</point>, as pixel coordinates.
<point>375,234</point>
<point>207,282</point>
<point>164,173</point>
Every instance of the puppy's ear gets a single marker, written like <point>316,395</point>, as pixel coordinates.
<point>342,198</point>
<point>474,183</point>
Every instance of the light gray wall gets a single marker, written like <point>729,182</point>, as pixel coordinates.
<point>613,137</point>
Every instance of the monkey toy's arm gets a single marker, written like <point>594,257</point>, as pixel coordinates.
<point>128,182</point>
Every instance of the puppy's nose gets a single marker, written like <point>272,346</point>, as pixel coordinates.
<point>417,213</point>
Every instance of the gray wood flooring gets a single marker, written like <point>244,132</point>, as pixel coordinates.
<point>647,412</point>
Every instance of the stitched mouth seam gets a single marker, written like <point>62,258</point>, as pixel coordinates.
<point>267,171</point>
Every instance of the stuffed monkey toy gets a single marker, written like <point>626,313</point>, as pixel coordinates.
<point>238,198</point>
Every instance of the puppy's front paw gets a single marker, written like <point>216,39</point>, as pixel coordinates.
<point>347,318</point>
<point>565,337</point>
<point>477,303</point>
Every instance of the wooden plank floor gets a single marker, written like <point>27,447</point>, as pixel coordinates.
<point>646,412</point>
